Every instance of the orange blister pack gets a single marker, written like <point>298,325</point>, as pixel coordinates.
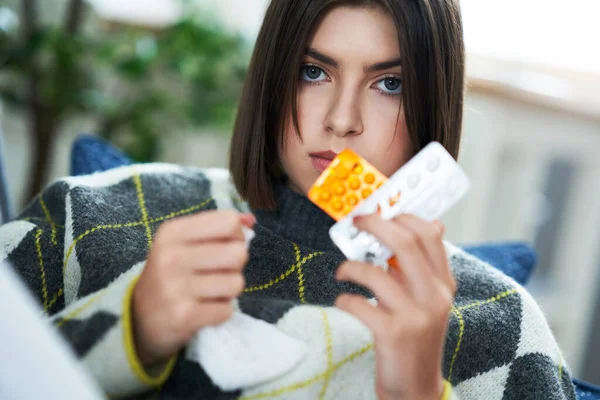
<point>344,184</point>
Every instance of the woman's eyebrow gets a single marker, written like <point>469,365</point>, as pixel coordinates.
<point>321,57</point>
<point>383,65</point>
<point>325,59</point>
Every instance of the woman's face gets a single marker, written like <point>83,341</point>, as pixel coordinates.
<point>349,96</point>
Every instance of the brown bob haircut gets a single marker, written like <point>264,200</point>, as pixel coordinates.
<point>431,43</point>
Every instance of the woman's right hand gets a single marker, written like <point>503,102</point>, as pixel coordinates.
<point>194,270</point>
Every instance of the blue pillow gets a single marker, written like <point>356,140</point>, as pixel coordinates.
<point>91,154</point>
<point>586,391</point>
<point>515,259</point>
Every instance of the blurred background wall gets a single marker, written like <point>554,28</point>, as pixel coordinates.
<point>531,131</point>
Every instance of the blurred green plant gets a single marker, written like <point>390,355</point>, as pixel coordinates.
<point>138,84</point>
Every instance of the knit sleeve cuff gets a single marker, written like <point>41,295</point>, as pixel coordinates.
<point>448,393</point>
<point>152,377</point>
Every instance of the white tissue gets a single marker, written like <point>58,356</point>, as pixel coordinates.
<point>248,235</point>
<point>244,351</point>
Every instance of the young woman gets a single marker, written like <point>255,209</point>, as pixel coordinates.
<point>381,77</point>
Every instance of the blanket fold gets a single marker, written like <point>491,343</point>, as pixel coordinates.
<point>82,243</point>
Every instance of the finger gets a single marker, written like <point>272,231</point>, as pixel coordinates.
<point>206,226</point>
<point>374,318</point>
<point>388,292</point>
<point>440,225</point>
<point>216,286</point>
<point>205,257</point>
<point>397,273</point>
<point>429,237</point>
<point>409,254</point>
<point>210,314</point>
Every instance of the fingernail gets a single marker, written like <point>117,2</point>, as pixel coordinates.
<point>358,218</point>
<point>248,219</point>
<point>440,226</point>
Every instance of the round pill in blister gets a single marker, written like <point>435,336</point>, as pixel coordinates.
<point>366,240</point>
<point>413,181</point>
<point>433,163</point>
<point>352,199</point>
<point>357,169</point>
<point>433,203</point>
<point>341,172</point>
<point>353,232</point>
<point>337,205</point>
<point>375,248</point>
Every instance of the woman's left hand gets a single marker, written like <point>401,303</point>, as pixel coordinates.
<point>410,321</point>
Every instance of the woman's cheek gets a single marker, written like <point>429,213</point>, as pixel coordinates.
<point>388,136</point>
<point>312,110</point>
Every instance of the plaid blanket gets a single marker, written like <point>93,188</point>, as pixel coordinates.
<point>81,244</point>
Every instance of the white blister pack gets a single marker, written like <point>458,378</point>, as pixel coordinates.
<point>427,186</point>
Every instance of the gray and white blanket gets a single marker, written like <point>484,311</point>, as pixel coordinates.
<point>82,243</point>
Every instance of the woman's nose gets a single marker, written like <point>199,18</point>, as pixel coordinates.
<point>344,116</point>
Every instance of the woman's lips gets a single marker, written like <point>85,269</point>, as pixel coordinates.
<point>320,163</point>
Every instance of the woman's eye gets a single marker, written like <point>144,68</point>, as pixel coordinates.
<point>311,73</point>
<point>391,86</point>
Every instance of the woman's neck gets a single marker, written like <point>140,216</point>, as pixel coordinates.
<point>298,219</point>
